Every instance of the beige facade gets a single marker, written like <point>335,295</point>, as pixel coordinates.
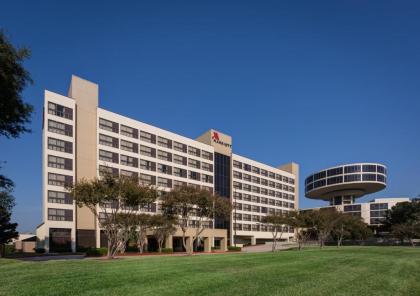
<point>80,139</point>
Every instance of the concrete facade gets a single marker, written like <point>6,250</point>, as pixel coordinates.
<point>80,140</point>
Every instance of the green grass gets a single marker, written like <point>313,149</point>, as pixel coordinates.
<point>344,271</point>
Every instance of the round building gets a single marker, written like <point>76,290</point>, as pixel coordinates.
<point>343,184</point>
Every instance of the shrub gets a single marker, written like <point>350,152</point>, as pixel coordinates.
<point>39,250</point>
<point>96,252</point>
<point>131,249</point>
<point>9,249</point>
<point>167,250</point>
<point>234,249</point>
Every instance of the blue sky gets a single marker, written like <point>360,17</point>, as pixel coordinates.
<point>316,82</point>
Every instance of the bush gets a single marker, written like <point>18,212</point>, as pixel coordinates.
<point>9,249</point>
<point>39,250</point>
<point>131,249</point>
<point>96,252</point>
<point>167,250</point>
<point>234,249</point>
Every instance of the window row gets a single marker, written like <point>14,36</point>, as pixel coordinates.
<point>151,138</point>
<point>59,197</point>
<point>256,189</point>
<point>351,169</point>
<point>60,162</point>
<point>260,199</point>
<point>261,228</point>
<point>151,152</point>
<point>60,128</point>
<point>59,180</point>
<point>60,215</point>
<point>258,180</point>
<point>60,145</point>
<point>260,209</point>
<point>262,172</point>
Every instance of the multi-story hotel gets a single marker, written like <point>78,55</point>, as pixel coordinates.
<point>81,140</point>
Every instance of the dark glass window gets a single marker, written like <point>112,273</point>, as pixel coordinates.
<point>59,110</point>
<point>381,169</point>
<point>222,181</point>
<point>309,179</point>
<point>380,178</point>
<point>60,145</point>
<point>352,169</point>
<point>129,132</point>
<point>352,208</point>
<point>60,162</point>
<point>59,197</point>
<point>335,180</point>
<point>60,128</point>
<point>352,178</point>
<point>108,141</point>
<point>60,215</point>
<point>369,168</point>
<point>319,175</point>
<point>335,171</point>
<point>108,125</point>
<point>319,183</point>
<point>369,177</point>
<point>379,206</point>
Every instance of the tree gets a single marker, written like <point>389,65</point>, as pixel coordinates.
<point>163,227</point>
<point>403,212</point>
<point>407,231</point>
<point>7,229</point>
<point>276,222</point>
<point>301,221</point>
<point>14,112</point>
<point>323,221</point>
<point>195,208</point>
<point>114,200</point>
<point>144,222</point>
<point>348,226</point>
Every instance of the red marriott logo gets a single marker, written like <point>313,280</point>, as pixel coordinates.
<point>215,136</point>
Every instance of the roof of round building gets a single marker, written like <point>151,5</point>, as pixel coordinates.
<point>356,179</point>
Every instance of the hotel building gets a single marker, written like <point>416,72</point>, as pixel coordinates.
<point>81,140</point>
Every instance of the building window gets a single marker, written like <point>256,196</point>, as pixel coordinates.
<point>60,145</point>
<point>180,147</point>
<point>271,175</point>
<point>164,142</point>
<point>180,172</point>
<point>352,169</point>
<point>237,185</point>
<point>129,161</point>
<point>378,206</point>
<point>247,167</point>
<point>60,215</point>
<point>255,180</point>
<point>335,180</point>
<point>255,170</point>
<point>164,182</point>
<point>193,163</point>
<point>180,159</point>
<point>108,125</point>
<point>108,141</point>
<point>237,164</point>
<point>164,169</point>
<point>207,178</point>
<point>60,110</point>
<point>129,174</point>
<point>164,155</point>
<point>147,180</point>
<point>207,155</point>
<point>194,175</point>
<point>105,170</point>
<point>59,197</point>
<point>147,151</point>
<point>369,168</point>
<point>60,128</point>
<point>108,156</point>
<point>147,165</point>
<point>129,146</point>
<point>147,137</point>
<point>237,175</point>
<point>194,151</point>
<point>129,132</point>
<point>60,162</point>
<point>264,173</point>
<point>207,167</point>
<point>246,177</point>
<point>369,177</point>
<point>59,180</point>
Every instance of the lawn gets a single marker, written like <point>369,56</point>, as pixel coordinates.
<point>345,271</point>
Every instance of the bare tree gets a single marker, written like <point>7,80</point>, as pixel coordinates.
<point>192,207</point>
<point>108,198</point>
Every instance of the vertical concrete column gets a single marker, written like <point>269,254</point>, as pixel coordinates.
<point>207,244</point>
<point>168,242</point>
<point>253,241</point>
<point>223,244</point>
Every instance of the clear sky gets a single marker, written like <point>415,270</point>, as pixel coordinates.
<point>319,83</point>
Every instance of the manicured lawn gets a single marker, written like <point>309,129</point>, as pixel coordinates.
<point>345,271</point>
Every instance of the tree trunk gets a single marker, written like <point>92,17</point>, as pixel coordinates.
<point>2,250</point>
<point>160,243</point>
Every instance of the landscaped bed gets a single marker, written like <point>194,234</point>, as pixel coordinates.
<point>331,271</point>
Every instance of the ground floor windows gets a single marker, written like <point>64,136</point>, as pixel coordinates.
<point>60,240</point>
